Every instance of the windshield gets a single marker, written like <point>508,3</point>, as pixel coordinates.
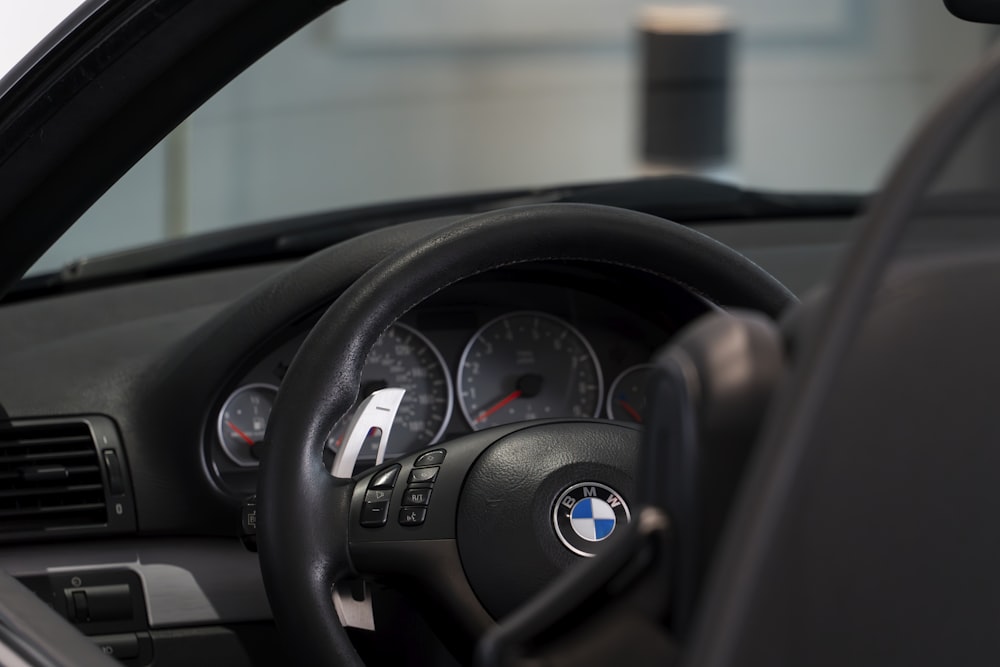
<point>388,100</point>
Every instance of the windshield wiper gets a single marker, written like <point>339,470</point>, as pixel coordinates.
<point>683,199</point>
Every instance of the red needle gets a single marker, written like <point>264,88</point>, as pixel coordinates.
<point>632,411</point>
<point>514,395</point>
<point>241,433</point>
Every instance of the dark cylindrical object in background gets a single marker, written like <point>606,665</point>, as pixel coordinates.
<point>685,85</point>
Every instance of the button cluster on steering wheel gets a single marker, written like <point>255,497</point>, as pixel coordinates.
<point>375,510</point>
<point>417,497</point>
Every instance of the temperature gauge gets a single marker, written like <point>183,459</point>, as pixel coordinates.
<point>243,421</point>
<point>627,397</point>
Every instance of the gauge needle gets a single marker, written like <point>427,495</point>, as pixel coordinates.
<point>241,433</point>
<point>630,410</point>
<point>514,395</point>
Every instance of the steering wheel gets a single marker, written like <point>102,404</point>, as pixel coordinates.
<point>482,540</point>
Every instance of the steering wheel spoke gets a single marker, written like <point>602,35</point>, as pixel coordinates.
<point>402,531</point>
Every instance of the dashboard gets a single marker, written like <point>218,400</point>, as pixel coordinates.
<point>163,362</point>
<point>538,342</point>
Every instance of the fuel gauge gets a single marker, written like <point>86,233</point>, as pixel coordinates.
<point>243,420</point>
<point>627,397</point>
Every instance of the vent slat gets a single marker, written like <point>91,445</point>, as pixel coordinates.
<point>50,478</point>
<point>28,511</point>
<point>8,440</point>
<point>71,470</point>
<point>44,456</point>
<point>46,491</point>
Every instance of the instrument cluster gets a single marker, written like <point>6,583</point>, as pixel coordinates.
<point>479,355</point>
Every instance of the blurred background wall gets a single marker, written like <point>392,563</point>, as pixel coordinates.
<point>390,99</point>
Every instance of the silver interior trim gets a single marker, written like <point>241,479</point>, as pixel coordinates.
<point>376,411</point>
<point>11,658</point>
<point>187,582</point>
<point>354,613</point>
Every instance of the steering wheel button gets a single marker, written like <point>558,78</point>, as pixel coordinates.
<point>385,479</point>
<point>434,458</point>
<point>420,475</point>
<point>420,496</point>
<point>378,495</point>
<point>412,516</point>
<point>374,514</point>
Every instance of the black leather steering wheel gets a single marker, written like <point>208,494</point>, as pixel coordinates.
<point>310,534</point>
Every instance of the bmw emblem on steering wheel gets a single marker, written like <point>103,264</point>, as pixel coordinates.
<point>586,514</point>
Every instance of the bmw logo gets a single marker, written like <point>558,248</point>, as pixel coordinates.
<point>587,514</point>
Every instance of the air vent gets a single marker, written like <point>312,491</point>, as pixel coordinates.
<point>50,478</point>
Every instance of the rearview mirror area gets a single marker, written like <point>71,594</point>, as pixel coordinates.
<point>977,11</point>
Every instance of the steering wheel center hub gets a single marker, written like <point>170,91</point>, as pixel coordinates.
<point>537,501</point>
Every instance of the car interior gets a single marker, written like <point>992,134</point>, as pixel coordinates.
<point>666,419</point>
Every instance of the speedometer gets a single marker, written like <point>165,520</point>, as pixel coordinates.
<point>404,358</point>
<point>528,365</point>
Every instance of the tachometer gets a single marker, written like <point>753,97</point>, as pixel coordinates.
<point>403,357</point>
<point>528,365</point>
<point>243,420</point>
